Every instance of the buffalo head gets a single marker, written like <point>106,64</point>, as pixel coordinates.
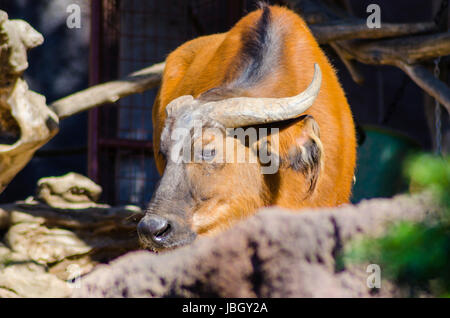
<point>222,161</point>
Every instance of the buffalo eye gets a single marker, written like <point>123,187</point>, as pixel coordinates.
<point>208,154</point>
<point>162,155</point>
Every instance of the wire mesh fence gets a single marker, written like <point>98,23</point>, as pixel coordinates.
<point>131,35</point>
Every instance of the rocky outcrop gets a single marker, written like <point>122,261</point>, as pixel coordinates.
<point>26,123</point>
<point>70,191</point>
<point>22,277</point>
<point>276,253</point>
<point>47,242</point>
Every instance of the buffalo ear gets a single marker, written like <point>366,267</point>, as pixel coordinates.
<point>306,154</point>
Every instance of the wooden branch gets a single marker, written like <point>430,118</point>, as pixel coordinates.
<point>430,84</point>
<point>399,52</point>
<point>403,53</point>
<point>109,92</point>
<point>357,29</point>
<point>412,49</point>
<point>349,64</point>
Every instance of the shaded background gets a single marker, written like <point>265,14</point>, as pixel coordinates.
<point>134,34</point>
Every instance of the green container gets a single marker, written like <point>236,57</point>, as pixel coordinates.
<point>379,169</point>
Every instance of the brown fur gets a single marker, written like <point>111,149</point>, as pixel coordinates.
<point>234,192</point>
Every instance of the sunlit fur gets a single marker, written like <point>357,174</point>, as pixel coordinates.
<point>237,191</point>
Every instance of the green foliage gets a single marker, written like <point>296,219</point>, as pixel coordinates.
<point>432,173</point>
<point>416,255</point>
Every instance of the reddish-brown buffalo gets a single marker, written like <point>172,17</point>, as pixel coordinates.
<point>242,78</point>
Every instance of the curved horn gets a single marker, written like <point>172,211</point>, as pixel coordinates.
<point>177,103</point>
<point>246,111</point>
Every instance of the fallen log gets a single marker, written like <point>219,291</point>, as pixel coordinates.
<point>109,92</point>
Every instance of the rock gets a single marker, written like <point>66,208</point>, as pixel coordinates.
<point>44,245</point>
<point>275,253</point>
<point>31,280</point>
<point>5,293</point>
<point>18,217</point>
<point>8,256</point>
<point>29,236</point>
<point>17,37</point>
<point>55,243</point>
<point>70,191</point>
<point>50,235</point>
<point>22,277</point>
<point>85,265</point>
<point>3,249</point>
<point>26,122</point>
<point>47,245</point>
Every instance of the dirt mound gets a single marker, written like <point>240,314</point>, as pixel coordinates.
<point>274,254</point>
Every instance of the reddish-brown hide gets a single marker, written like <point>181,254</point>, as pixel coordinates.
<point>213,61</point>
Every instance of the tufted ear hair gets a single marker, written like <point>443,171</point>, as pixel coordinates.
<point>306,154</point>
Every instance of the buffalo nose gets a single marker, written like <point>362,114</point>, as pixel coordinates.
<point>154,227</point>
